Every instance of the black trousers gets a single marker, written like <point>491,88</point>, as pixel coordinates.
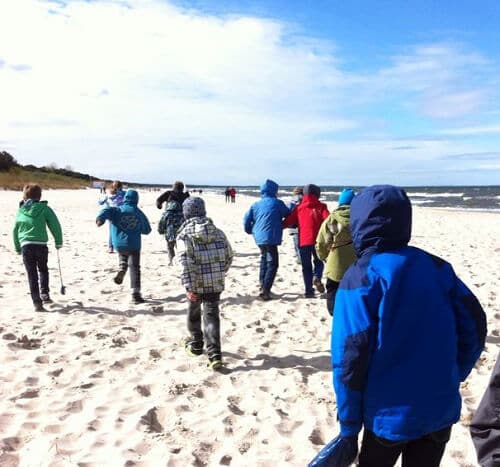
<point>131,260</point>
<point>331,291</point>
<point>171,249</point>
<point>426,451</point>
<point>211,323</point>
<point>35,261</point>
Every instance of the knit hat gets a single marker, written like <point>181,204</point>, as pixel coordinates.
<point>193,207</point>
<point>346,196</point>
<point>312,190</point>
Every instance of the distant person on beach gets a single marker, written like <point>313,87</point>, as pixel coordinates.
<point>485,425</point>
<point>334,245</point>
<point>298,193</point>
<point>205,256</point>
<point>172,218</point>
<point>264,220</point>
<point>232,194</point>
<point>227,194</point>
<point>30,239</point>
<point>114,199</point>
<point>308,215</point>
<point>406,332</point>
<point>128,223</point>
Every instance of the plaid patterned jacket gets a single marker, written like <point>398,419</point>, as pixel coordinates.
<point>204,254</point>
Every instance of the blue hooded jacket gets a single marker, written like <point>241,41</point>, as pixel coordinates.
<point>264,219</point>
<point>128,222</point>
<point>406,330</point>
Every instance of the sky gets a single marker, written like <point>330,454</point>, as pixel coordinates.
<point>229,92</point>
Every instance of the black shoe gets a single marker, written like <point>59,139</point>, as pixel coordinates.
<point>265,296</point>
<point>215,363</point>
<point>137,298</point>
<point>119,277</point>
<point>310,295</point>
<point>193,349</point>
<point>39,307</point>
<point>46,298</point>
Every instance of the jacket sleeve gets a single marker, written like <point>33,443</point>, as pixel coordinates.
<point>471,327</point>
<point>54,226</point>
<point>324,241</point>
<point>485,425</point>
<point>229,254</point>
<point>103,201</point>
<point>354,336</point>
<point>106,214</point>
<point>15,235</point>
<point>248,221</point>
<point>145,225</point>
<point>185,253</point>
<point>291,219</point>
<point>284,210</point>
<point>161,199</point>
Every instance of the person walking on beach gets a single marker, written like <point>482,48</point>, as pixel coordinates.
<point>232,194</point>
<point>485,425</point>
<point>205,256</point>
<point>309,214</point>
<point>406,332</point>
<point>298,194</point>
<point>30,239</point>
<point>227,194</point>
<point>113,199</point>
<point>264,220</point>
<point>172,218</point>
<point>334,245</point>
<point>128,223</point>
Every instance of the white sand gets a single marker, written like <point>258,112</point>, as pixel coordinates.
<point>108,383</point>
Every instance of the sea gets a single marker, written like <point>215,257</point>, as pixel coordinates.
<point>474,198</point>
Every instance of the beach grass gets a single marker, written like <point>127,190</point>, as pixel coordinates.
<point>17,177</point>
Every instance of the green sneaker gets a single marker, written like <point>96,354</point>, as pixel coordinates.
<point>193,349</point>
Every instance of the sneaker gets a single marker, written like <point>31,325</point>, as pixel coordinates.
<point>39,307</point>
<point>137,298</point>
<point>265,295</point>
<point>46,298</point>
<point>193,349</point>
<point>310,294</point>
<point>216,363</point>
<point>110,249</point>
<point>118,279</point>
<point>319,285</point>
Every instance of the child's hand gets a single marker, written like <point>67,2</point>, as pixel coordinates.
<point>191,296</point>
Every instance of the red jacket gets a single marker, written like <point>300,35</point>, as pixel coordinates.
<point>309,214</point>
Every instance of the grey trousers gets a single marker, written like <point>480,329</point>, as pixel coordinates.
<point>131,260</point>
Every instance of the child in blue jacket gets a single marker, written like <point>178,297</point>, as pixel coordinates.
<point>264,220</point>
<point>128,223</point>
<point>406,333</point>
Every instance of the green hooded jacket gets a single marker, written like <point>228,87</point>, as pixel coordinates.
<point>334,244</point>
<point>32,220</point>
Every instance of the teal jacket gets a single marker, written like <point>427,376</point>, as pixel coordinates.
<point>32,220</point>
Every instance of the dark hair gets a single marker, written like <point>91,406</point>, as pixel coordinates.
<point>178,186</point>
<point>32,191</point>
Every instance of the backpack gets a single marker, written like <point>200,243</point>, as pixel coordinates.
<point>171,220</point>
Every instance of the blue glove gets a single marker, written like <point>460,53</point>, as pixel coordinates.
<point>339,452</point>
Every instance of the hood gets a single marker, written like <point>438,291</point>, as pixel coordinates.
<point>269,188</point>
<point>380,219</point>
<point>310,200</point>
<point>33,208</point>
<point>131,197</point>
<point>312,189</point>
<point>343,214</point>
<point>202,229</point>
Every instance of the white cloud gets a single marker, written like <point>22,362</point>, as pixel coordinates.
<point>472,130</point>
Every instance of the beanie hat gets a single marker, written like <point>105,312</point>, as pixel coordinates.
<point>193,207</point>
<point>312,190</point>
<point>346,196</point>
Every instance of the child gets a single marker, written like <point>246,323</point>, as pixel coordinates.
<point>334,244</point>
<point>406,333</point>
<point>128,223</point>
<point>114,199</point>
<point>30,239</point>
<point>309,214</point>
<point>205,256</point>
<point>264,220</point>
<point>172,217</point>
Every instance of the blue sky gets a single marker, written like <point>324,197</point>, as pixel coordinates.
<point>231,92</point>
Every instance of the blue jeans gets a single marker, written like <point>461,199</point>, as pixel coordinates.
<point>306,253</point>
<point>268,265</point>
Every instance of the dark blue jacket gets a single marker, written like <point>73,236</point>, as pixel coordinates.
<point>128,222</point>
<point>265,217</point>
<point>406,330</point>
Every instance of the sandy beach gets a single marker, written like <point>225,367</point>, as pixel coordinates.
<point>101,382</point>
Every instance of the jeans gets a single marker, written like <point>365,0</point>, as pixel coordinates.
<point>295,238</point>
<point>35,260</point>
<point>132,260</point>
<point>171,249</point>
<point>211,323</point>
<point>306,253</point>
<point>269,263</point>
<point>426,451</point>
<point>110,241</point>
<point>331,292</point>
